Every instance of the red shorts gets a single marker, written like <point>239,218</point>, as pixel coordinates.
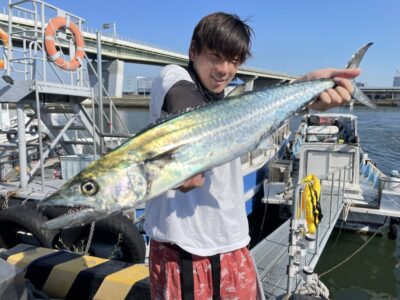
<point>238,275</point>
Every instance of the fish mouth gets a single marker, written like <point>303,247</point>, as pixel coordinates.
<point>79,216</point>
<point>58,200</point>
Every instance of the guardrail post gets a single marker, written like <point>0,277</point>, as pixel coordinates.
<point>100,83</point>
<point>344,183</point>
<point>338,196</point>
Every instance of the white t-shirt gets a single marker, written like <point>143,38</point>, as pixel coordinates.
<point>207,220</point>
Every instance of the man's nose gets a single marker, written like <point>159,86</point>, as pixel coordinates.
<point>223,67</point>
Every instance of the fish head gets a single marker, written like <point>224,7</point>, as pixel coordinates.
<point>101,189</point>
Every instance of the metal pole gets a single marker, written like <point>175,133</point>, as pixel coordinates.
<point>94,126</point>
<point>332,180</point>
<point>344,183</point>
<point>100,82</point>
<point>23,163</point>
<point>44,54</point>
<point>9,48</point>
<point>38,115</point>
<point>338,196</point>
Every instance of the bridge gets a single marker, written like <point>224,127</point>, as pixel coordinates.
<point>383,96</point>
<point>118,50</point>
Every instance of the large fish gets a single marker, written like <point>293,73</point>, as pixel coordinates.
<point>167,153</point>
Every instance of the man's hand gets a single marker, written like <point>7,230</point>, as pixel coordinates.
<point>191,183</point>
<point>338,95</point>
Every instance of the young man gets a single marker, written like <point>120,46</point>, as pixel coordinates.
<point>199,232</point>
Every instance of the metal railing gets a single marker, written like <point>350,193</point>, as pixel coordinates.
<point>276,139</point>
<point>29,62</point>
<point>305,249</point>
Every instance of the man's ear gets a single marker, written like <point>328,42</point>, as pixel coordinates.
<point>192,53</point>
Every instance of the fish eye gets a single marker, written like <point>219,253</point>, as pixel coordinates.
<point>89,187</point>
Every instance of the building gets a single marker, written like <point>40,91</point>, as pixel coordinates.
<point>396,79</point>
<point>129,86</point>
<point>144,85</point>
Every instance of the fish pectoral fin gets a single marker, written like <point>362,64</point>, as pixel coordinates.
<point>166,155</point>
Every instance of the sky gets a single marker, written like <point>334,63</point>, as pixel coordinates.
<point>291,36</point>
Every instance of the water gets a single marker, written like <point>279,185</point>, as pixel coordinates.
<point>379,133</point>
<point>369,273</point>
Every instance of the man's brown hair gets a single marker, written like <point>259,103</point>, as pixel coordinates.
<point>224,33</point>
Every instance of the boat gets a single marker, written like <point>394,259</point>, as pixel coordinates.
<point>328,141</point>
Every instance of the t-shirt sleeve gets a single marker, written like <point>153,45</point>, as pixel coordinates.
<point>181,95</point>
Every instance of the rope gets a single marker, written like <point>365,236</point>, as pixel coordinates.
<point>316,288</point>
<point>90,237</point>
<point>266,204</point>
<point>345,211</point>
<point>351,256</point>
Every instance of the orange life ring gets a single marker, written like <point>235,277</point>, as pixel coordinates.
<point>4,39</point>
<point>49,43</point>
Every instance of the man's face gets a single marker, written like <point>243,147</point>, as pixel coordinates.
<point>215,70</point>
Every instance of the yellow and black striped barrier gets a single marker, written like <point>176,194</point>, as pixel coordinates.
<point>67,275</point>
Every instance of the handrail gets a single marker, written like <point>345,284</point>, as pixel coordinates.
<point>112,105</point>
<point>300,243</point>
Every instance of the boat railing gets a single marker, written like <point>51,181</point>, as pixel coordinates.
<point>304,248</point>
<point>33,58</point>
<point>26,59</point>
<point>276,139</point>
<point>30,59</point>
<point>112,110</point>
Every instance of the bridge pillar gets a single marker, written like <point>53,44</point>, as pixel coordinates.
<point>113,77</point>
<point>249,85</point>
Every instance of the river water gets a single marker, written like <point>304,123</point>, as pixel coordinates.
<point>369,273</point>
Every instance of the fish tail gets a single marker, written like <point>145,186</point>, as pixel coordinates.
<point>359,96</point>
<point>354,62</point>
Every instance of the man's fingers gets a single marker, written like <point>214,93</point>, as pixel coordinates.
<point>191,183</point>
<point>343,93</point>
<point>345,73</point>
<point>344,83</point>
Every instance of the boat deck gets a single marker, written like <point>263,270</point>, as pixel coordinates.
<point>389,206</point>
<point>272,254</point>
<point>34,191</point>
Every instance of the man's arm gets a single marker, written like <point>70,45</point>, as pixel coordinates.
<point>183,95</point>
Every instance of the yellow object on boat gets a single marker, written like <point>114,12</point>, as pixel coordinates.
<point>310,202</point>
